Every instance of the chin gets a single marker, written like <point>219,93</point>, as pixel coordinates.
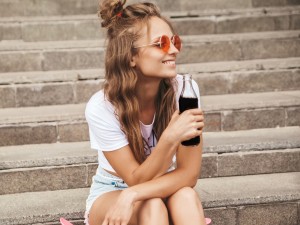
<point>171,74</point>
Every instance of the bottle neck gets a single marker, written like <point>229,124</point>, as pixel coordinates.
<point>187,80</point>
<point>187,89</point>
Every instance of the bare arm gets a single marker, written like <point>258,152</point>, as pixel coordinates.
<point>189,163</point>
<point>156,164</point>
<point>187,172</point>
<point>186,175</point>
<point>181,127</point>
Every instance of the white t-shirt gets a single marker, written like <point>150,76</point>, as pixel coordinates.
<point>105,131</point>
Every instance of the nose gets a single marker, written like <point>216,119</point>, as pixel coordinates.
<point>173,49</point>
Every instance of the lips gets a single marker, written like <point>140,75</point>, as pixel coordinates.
<point>169,62</point>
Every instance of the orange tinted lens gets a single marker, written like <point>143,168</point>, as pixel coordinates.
<point>165,43</point>
<point>176,42</point>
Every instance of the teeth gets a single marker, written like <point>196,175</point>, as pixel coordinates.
<point>169,62</point>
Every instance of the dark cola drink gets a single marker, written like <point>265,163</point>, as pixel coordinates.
<point>185,104</point>
<point>188,100</point>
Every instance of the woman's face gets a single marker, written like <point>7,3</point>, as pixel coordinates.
<point>151,61</point>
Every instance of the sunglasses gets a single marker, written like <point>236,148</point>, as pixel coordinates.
<point>164,43</point>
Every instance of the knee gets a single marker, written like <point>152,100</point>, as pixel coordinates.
<point>153,211</point>
<point>154,205</point>
<point>186,194</point>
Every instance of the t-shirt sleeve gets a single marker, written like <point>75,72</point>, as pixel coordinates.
<point>104,128</point>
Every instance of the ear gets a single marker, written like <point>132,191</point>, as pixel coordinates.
<point>133,61</point>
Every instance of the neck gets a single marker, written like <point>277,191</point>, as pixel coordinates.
<point>146,93</point>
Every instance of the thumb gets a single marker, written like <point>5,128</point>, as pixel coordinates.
<point>175,115</point>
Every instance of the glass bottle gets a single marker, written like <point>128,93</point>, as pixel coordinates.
<point>188,100</point>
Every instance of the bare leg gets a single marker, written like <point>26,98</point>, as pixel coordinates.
<point>149,212</point>
<point>153,212</point>
<point>185,207</point>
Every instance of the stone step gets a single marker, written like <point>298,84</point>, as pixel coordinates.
<point>10,8</point>
<point>248,82</point>
<point>25,89</point>
<point>15,78</point>
<point>87,27</point>
<point>66,123</point>
<point>58,154</point>
<point>227,200</point>
<point>65,55</point>
<point>45,167</point>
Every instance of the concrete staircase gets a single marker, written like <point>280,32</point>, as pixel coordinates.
<point>245,56</point>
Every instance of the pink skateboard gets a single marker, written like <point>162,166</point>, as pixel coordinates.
<point>66,222</point>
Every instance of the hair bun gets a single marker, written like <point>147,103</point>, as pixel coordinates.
<point>109,10</point>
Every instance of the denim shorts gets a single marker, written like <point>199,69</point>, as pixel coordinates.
<point>103,182</point>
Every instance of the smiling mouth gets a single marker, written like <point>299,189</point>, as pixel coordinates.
<point>169,62</point>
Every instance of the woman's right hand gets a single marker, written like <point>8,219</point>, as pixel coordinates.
<point>185,126</point>
<point>121,211</point>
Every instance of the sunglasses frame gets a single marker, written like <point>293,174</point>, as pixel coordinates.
<point>169,41</point>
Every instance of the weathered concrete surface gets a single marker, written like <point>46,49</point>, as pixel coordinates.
<point>85,89</point>
<point>246,190</point>
<point>87,27</point>
<point>41,114</point>
<point>68,132</point>
<point>257,139</point>
<point>7,97</point>
<point>80,91</point>
<point>293,117</point>
<point>225,154</point>
<point>42,207</point>
<point>66,55</point>
<point>53,76</point>
<point>80,173</point>
<point>250,101</point>
<point>222,215</point>
<point>40,94</point>
<point>247,66</point>
<point>253,119</point>
<point>28,134</point>
<point>75,7</point>
<point>285,213</point>
<point>221,111</point>
<point>262,162</point>
<point>209,104</point>
<point>247,81</point>
<point>43,179</point>
<point>40,155</point>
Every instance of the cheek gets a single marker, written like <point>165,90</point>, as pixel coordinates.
<point>150,63</point>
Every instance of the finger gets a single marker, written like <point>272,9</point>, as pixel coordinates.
<point>111,222</point>
<point>196,111</point>
<point>199,125</point>
<point>175,115</point>
<point>199,132</point>
<point>198,118</point>
<point>194,133</point>
<point>105,222</point>
<point>118,222</point>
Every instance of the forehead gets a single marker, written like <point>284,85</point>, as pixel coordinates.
<point>156,27</point>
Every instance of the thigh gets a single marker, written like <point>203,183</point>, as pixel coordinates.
<point>103,203</point>
<point>185,204</point>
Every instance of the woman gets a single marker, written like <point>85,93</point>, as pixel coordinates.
<point>136,127</point>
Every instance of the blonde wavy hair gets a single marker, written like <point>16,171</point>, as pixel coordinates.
<point>120,78</point>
